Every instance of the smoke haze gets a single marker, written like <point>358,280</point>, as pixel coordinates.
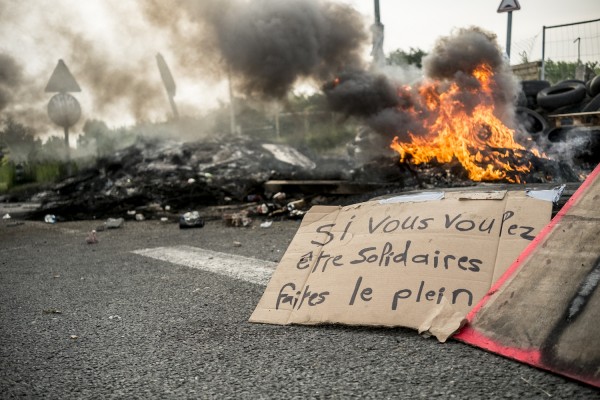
<point>10,78</point>
<point>265,46</point>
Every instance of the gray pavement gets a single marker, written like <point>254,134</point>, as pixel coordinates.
<point>100,321</point>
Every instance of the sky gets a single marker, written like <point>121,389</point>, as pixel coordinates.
<point>419,23</point>
<point>117,36</point>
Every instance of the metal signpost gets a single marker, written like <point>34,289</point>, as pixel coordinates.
<point>509,6</point>
<point>63,109</point>
<point>169,83</point>
<point>377,29</point>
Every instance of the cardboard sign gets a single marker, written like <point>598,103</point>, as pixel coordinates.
<point>544,310</point>
<point>416,261</point>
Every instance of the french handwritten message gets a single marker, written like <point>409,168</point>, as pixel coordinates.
<point>389,264</point>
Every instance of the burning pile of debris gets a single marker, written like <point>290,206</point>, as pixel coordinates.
<point>455,126</point>
<point>463,113</point>
<point>240,179</point>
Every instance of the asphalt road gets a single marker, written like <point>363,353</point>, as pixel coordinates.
<point>100,321</point>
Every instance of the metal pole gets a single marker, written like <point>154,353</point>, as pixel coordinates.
<point>66,131</point>
<point>543,77</point>
<point>377,31</point>
<point>174,108</point>
<point>377,13</point>
<point>169,82</point>
<point>67,149</point>
<point>508,35</point>
<point>578,40</point>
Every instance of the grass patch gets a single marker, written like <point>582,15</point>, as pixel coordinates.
<point>7,175</point>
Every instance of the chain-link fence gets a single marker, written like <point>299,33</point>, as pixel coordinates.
<point>561,49</point>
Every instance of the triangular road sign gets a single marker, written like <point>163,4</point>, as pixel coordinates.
<point>61,80</point>
<point>509,5</point>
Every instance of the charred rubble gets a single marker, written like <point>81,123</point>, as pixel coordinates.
<point>164,179</point>
<point>158,175</point>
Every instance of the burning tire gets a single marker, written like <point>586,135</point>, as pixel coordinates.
<point>533,122</point>
<point>521,100</point>
<point>563,94</point>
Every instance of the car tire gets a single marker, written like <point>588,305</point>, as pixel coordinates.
<point>594,86</point>
<point>593,105</point>
<point>533,122</point>
<point>563,94</point>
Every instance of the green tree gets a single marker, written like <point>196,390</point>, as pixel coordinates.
<point>97,138</point>
<point>556,71</point>
<point>401,57</point>
<point>53,149</point>
<point>19,140</point>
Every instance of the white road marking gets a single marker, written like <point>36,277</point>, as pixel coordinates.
<point>238,267</point>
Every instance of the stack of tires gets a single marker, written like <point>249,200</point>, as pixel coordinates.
<point>539,98</point>
<point>571,96</point>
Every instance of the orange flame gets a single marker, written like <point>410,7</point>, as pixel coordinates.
<point>477,139</point>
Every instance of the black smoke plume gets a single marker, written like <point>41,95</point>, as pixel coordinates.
<point>392,109</point>
<point>265,45</point>
<point>361,93</point>
<point>271,44</point>
<point>10,79</point>
<point>455,57</point>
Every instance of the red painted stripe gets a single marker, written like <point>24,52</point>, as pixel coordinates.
<point>528,356</point>
<point>470,335</point>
